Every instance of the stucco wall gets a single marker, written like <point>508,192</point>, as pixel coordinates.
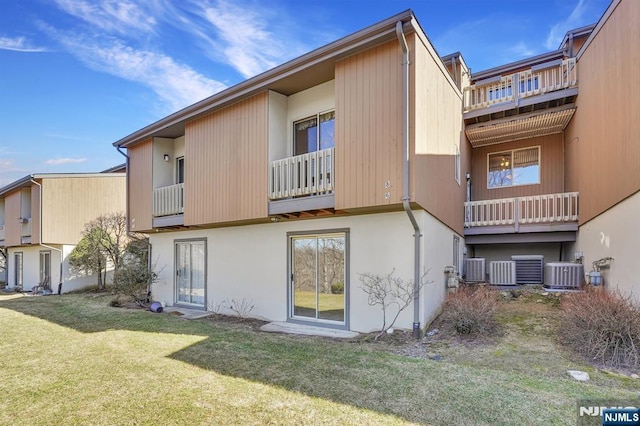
<point>31,266</point>
<point>615,234</point>
<point>250,262</point>
<point>72,280</point>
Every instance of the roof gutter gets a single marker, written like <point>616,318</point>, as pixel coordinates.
<point>119,148</point>
<point>406,197</point>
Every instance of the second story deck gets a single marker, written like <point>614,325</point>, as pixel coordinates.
<point>555,215</point>
<point>544,85</point>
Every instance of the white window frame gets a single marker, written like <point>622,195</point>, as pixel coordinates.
<point>511,153</point>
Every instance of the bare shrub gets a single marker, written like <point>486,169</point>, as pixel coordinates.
<point>240,308</point>
<point>133,280</point>
<point>472,309</point>
<point>393,294</point>
<point>603,326</point>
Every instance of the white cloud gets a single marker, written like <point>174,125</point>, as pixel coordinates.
<point>245,42</point>
<point>559,29</point>
<point>175,83</point>
<point>65,160</point>
<point>521,50</point>
<point>19,44</point>
<point>117,16</point>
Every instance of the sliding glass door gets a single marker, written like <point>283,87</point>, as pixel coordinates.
<point>318,277</point>
<point>191,272</point>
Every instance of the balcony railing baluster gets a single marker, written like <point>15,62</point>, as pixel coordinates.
<point>538,209</point>
<point>305,174</point>
<point>521,85</point>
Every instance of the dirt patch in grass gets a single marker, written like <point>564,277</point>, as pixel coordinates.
<point>236,322</point>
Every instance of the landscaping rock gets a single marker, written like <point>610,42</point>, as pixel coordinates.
<point>580,376</point>
<point>635,376</point>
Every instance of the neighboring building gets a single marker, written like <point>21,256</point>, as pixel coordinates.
<point>42,217</point>
<point>555,160</point>
<point>286,187</point>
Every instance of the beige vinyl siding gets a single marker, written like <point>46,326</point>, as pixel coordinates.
<point>71,202</point>
<point>11,214</point>
<point>141,186</point>
<point>436,132</point>
<point>368,128</point>
<point>601,141</point>
<point>226,164</point>
<point>35,214</point>
<point>551,169</point>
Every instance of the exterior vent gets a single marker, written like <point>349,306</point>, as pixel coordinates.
<point>475,270</point>
<point>502,272</point>
<point>529,269</point>
<point>563,275</point>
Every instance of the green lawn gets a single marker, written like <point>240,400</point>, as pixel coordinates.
<point>73,360</point>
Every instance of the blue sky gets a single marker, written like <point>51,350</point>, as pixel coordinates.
<point>77,75</point>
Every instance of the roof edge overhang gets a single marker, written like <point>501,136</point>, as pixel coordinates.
<point>374,34</point>
<point>25,181</point>
<point>534,60</point>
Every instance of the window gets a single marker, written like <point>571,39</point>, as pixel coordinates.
<point>309,137</point>
<point>17,257</point>
<point>515,167</point>
<point>180,170</point>
<point>529,84</point>
<point>318,286</point>
<point>456,252</point>
<point>45,268</point>
<point>500,92</point>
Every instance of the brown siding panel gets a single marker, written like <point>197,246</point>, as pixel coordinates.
<point>436,131</point>
<point>368,128</point>
<point>551,169</point>
<point>141,186</point>
<point>226,164</point>
<point>602,139</point>
<point>12,213</point>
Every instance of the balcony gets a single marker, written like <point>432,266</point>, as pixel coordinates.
<point>302,182</point>
<point>548,213</point>
<point>168,205</point>
<point>513,90</point>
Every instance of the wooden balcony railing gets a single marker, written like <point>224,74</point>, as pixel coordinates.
<point>536,209</point>
<point>168,200</point>
<point>510,88</point>
<point>306,174</point>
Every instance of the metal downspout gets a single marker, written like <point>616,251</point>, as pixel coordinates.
<point>406,197</point>
<point>127,185</point>
<point>40,236</point>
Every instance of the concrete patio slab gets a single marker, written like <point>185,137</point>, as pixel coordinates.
<point>187,313</point>
<point>307,330</point>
